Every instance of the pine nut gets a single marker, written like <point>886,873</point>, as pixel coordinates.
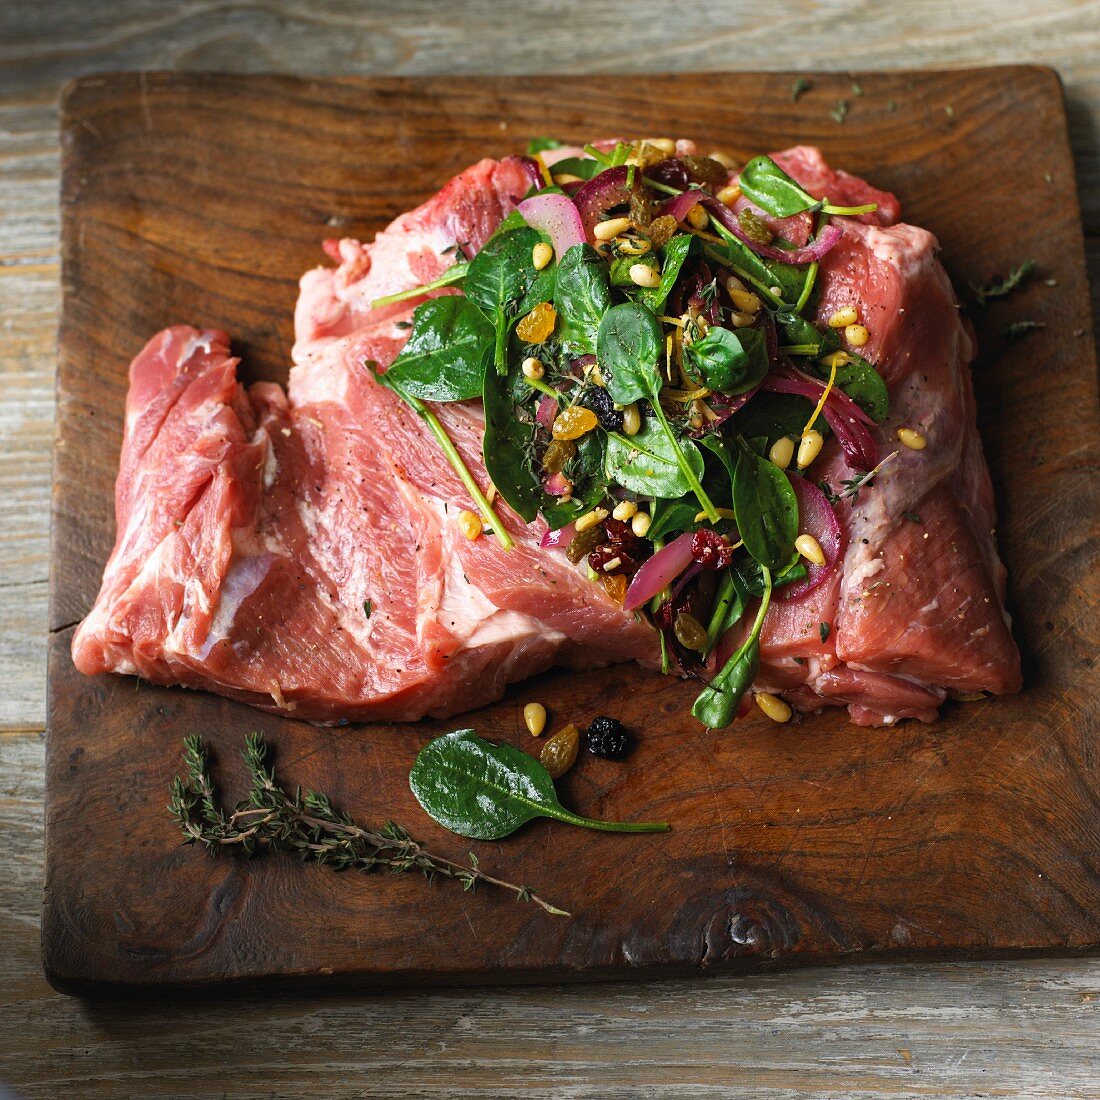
<point>745,300</point>
<point>606,231</point>
<point>644,275</point>
<point>856,335</point>
<point>632,420</point>
<point>809,447</point>
<point>640,524</point>
<point>725,161</point>
<point>836,359</point>
<point>844,317</point>
<point>912,439</point>
<point>729,195</point>
<point>741,320</point>
<point>810,549</point>
<point>624,510</point>
<point>697,217</point>
<point>534,718</point>
<point>782,452</point>
<point>774,707</point>
<point>469,523</point>
<point>590,519</point>
<point>541,255</point>
<point>563,178</point>
<point>532,368</point>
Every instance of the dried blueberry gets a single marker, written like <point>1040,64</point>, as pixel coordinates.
<point>608,738</point>
<point>598,400</point>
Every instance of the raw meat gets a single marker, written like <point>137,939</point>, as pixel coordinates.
<point>301,552</point>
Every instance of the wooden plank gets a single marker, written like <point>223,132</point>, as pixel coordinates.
<point>912,844</point>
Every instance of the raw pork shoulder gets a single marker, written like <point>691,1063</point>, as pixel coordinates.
<point>301,551</point>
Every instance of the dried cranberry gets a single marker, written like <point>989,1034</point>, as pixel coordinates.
<point>710,549</point>
<point>598,400</point>
<point>619,533</point>
<point>602,556</point>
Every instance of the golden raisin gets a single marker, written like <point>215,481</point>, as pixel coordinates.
<point>584,543</point>
<point>573,422</point>
<point>558,454</point>
<point>661,230</point>
<point>614,585</point>
<point>689,631</point>
<point>538,324</point>
<point>754,226</point>
<point>560,752</point>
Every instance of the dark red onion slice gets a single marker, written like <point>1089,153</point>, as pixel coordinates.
<point>531,167</point>
<point>600,194</point>
<point>557,216</point>
<point>659,572</point>
<point>679,206</point>
<point>556,485</point>
<point>563,536</point>
<point>815,517</point>
<point>855,440</point>
<point>547,410</point>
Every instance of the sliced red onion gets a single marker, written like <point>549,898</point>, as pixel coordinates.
<point>556,215</point>
<point>815,517</point>
<point>659,572</point>
<point>563,536</point>
<point>855,440</point>
<point>531,167</point>
<point>547,410</point>
<point>600,194</point>
<point>556,485</point>
<point>679,206</point>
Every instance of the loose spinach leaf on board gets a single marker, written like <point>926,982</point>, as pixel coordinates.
<point>766,508</point>
<point>582,296</point>
<point>486,791</point>
<point>507,447</point>
<point>646,463</point>
<point>446,355</point>
<point>675,252</point>
<point>629,346</point>
<point>732,361</point>
<point>717,704</point>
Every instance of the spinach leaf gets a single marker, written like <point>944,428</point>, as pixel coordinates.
<point>446,355</point>
<point>582,167</point>
<point>769,273</point>
<point>675,253</point>
<point>647,463</point>
<point>750,574</point>
<point>763,182</point>
<point>506,447</point>
<point>717,704</point>
<point>730,602</point>
<point>629,346</point>
<point>671,516</point>
<point>766,508</point>
<point>731,361</point>
<point>581,297</point>
<point>499,277</point>
<point>486,791</point>
<point>797,330</point>
<point>541,144</point>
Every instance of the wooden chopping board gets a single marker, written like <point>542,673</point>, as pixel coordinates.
<point>202,198</point>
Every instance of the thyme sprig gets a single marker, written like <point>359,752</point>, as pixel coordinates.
<point>1000,288</point>
<point>307,824</point>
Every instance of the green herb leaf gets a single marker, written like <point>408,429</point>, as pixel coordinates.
<point>368,607</point>
<point>581,297</point>
<point>671,516</point>
<point>766,508</point>
<point>731,361</point>
<point>1021,328</point>
<point>999,288</point>
<point>800,85</point>
<point>446,355</point>
<point>582,167</point>
<point>449,277</point>
<point>646,463</point>
<point>764,183</point>
<point>486,791</point>
<point>774,415</point>
<point>629,346</point>
<point>824,630</point>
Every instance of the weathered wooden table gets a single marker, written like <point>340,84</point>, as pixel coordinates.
<point>1023,1028</point>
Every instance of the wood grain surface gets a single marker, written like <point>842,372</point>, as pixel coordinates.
<point>995,1028</point>
<point>790,844</point>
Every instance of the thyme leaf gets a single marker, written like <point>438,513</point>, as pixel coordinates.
<point>1021,328</point>
<point>798,87</point>
<point>306,824</point>
<point>1000,288</point>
